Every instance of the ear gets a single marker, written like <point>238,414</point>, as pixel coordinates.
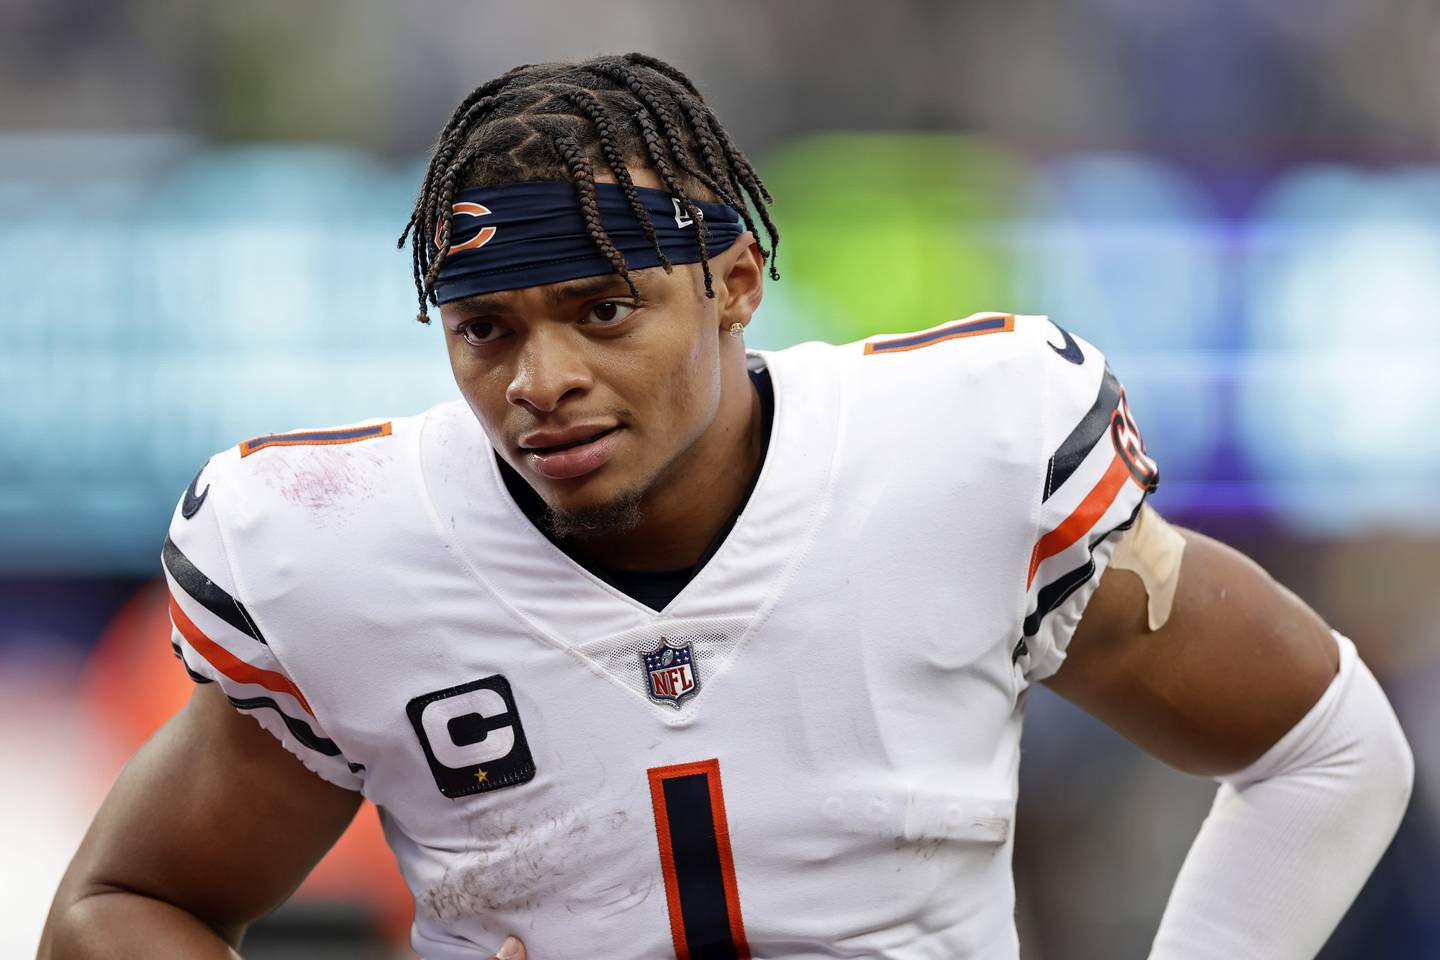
<point>739,275</point>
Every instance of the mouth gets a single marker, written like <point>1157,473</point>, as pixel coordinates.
<point>570,459</point>
<point>568,445</point>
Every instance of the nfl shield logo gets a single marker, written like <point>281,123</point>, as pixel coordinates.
<point>670,674</point>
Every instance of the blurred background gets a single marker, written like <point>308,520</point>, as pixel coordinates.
<point>1239,201</point>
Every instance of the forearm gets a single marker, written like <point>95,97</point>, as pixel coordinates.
<point>118,925</point>
<point>1291,839</point>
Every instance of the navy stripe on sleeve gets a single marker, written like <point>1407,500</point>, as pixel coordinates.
<point>207,592</point>
<point>1092,428</point>
<point>298,728</point>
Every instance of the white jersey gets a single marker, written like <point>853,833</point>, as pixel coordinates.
<point>810,752</point>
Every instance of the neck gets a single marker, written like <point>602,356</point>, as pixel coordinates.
<point>696,497</point>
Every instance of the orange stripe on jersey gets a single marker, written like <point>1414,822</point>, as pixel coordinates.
<point>231,665</point>
<point>694,836</point>
<point>1001,323</point>
<point>1084,517</point>
<point>316,438</point>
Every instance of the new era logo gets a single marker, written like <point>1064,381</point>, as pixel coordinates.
<point>682,219</point>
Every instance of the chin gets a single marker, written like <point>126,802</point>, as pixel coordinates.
<point>589,507</point>
<point>590,519</point>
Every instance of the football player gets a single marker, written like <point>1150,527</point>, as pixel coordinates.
<point>654,646</point>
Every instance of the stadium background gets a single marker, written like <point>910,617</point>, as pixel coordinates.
<point>1238,200</point>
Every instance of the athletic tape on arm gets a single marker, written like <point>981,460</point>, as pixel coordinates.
<point>1152,550</point>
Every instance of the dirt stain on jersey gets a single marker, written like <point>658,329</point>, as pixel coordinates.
<point>323,481</point>
<point>523,866</point>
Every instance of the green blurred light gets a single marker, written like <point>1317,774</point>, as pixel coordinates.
<point>893,232</point>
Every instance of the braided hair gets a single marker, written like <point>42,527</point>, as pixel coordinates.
<point>562,121</point>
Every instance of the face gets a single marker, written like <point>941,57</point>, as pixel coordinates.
<point>599,400</point>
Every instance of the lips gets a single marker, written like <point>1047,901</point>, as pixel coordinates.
<point>568,454</point>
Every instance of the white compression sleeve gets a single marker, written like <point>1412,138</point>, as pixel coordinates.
<point>1292,838</point>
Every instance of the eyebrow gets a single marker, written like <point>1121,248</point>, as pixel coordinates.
<point>583,287</point>
<point>557,294</point>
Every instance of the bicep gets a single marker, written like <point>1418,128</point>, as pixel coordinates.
<point>213,816</point>
<point>1239,661</point>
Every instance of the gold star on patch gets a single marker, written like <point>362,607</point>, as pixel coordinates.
<point>481,776</point>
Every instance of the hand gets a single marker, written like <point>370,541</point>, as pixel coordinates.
<point>511,949</point>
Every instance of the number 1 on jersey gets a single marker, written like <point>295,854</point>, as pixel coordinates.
<point>695,859</point>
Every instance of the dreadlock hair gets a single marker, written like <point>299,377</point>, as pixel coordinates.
<point>562,121</point>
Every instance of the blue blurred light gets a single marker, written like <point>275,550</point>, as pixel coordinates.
<point>147,327</point>
<point>1343,282</point>
<point>1126,252</point>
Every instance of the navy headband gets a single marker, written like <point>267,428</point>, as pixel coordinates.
<point>527,234</point>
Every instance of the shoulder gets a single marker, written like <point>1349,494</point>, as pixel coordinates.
<point>1022,373</point>
<point>1014,349</point>
<point>315,468</point>
<point>278,491</point>
<point>983,345</point>
<point>1022,379</point>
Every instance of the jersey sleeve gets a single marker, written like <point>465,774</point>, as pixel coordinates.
<point>1097,475</point>
<point>218,641</point>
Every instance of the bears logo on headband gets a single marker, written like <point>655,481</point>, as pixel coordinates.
<point>534,233</point>
<point>469,209</point>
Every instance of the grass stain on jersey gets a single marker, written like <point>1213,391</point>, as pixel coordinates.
<point>526,866</point>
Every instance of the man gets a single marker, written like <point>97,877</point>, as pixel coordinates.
<point>655,647</point>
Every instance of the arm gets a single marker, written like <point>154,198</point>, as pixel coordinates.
<point>211,825</point>
<point>1238,663</point>
<point>1241,683</point>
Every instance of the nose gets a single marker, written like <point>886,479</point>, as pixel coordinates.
<point>550,367</point>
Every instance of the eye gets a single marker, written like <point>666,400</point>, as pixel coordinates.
<point>608,313</point>
<point>477,333</point>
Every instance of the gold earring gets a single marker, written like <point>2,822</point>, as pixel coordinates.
<point>737,328</point>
